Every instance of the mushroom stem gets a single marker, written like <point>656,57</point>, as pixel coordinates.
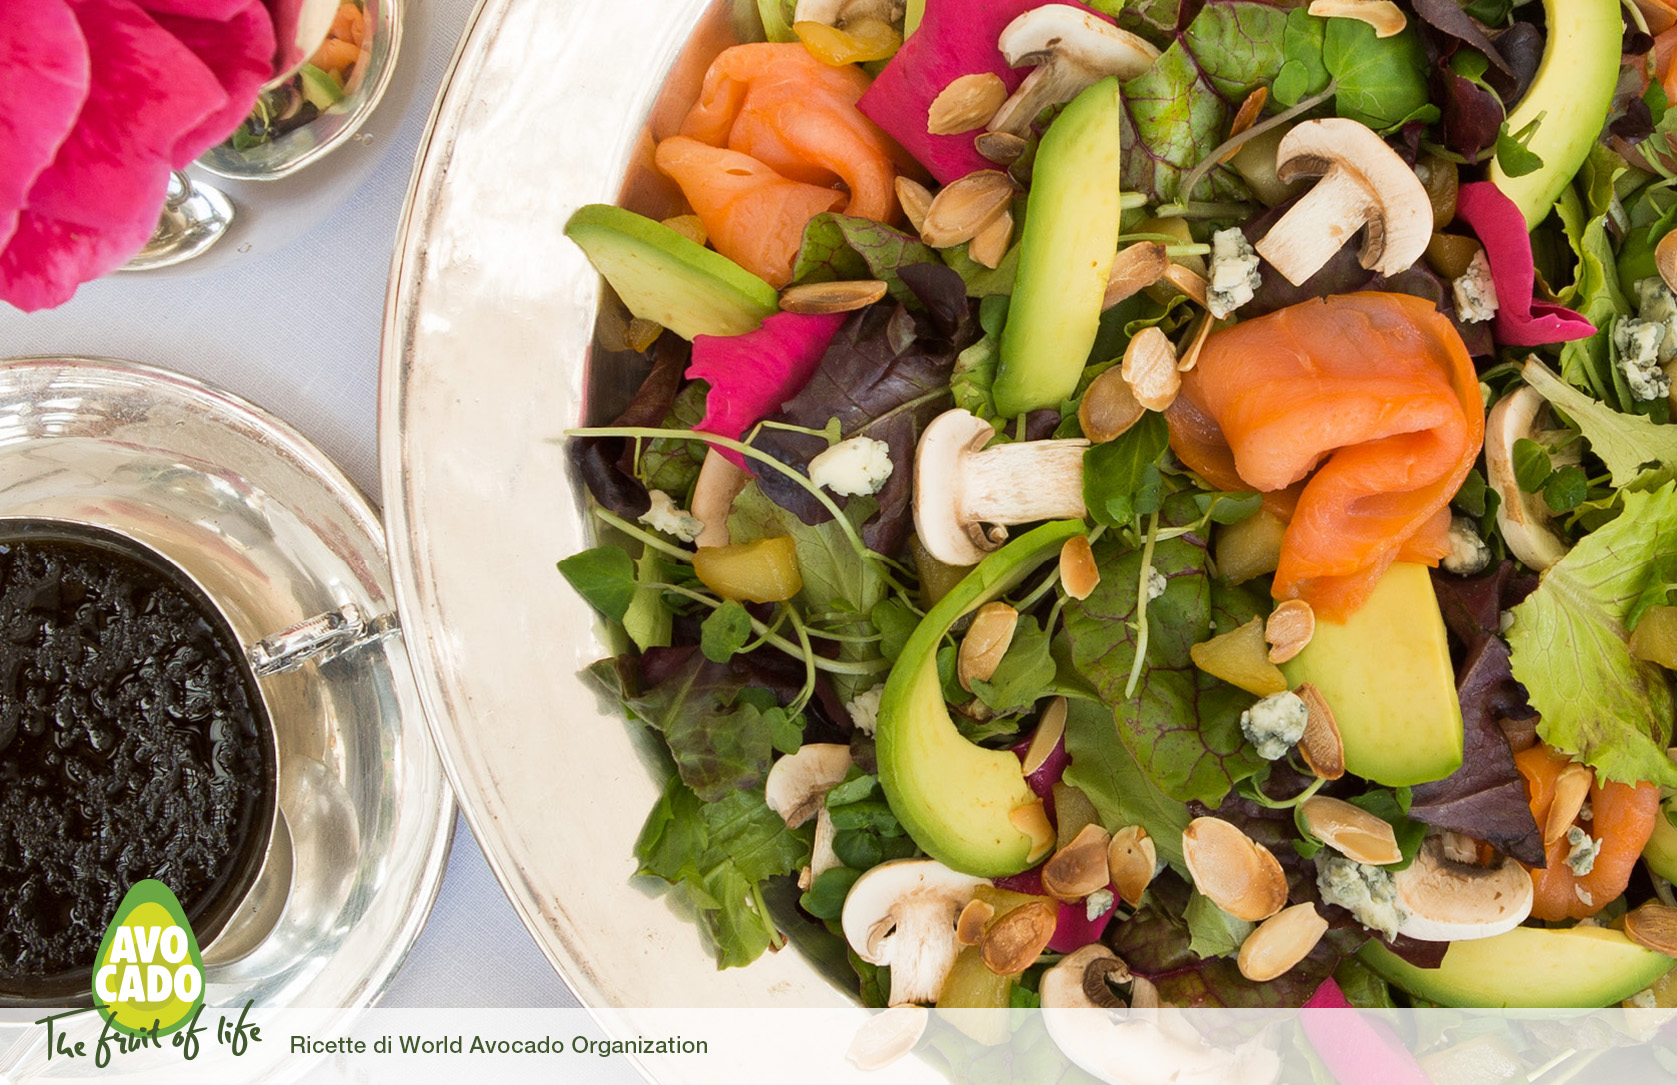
<point>1315,227</point>
<point>1049,83</point>
<point>925,951</point>
<point>1026,481</point>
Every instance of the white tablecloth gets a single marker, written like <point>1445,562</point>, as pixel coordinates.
<point>297,331</point>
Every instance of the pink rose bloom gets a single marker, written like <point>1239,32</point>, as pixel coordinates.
<point>100,100</point>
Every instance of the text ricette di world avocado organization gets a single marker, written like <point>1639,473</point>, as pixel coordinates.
<point>482,1045</point>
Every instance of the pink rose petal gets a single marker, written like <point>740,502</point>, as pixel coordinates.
<point>37,110</point>
<point>956,38</point>
<point>751,375</point>
<point>1521,320</point>
<point>1357,1048</point>
<point>239,49</point>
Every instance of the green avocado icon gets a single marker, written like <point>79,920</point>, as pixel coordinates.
<point>149,976</point>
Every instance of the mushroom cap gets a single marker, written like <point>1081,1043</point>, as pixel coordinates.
<point>1449,901</point>
<point>1523,518</point>
<point>939,464</point>
<point>1063,988</point>
<point>1398,212</point>
<point>797,782</point>
<point>881,896</point>
<point>832,12</point>
<point>1076,36</point>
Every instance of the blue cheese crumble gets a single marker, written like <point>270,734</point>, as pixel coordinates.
<point>1275,724</point>
<point>1156,584</point>
<point>1469,553</point>
<point>1235,277</point>
<point>864,710</point>
<point>1475,292</point>
<point>1638,345</point>
<point>1583,850</point>
<point>1658,305</point>
<point>1367,892</point>
<point>666,516</point>
<point>852,468</point>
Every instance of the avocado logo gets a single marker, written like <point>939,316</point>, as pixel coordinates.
<point>149,976</point>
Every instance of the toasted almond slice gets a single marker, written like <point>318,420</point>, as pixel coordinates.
<point>1385,17</point>
<point>641,333</point>
<point>1244,118</point>
<point>1143,994</point>
<point>1280,942</point>
<point>1189,282</point>
<point>1196,343</point>
<point>1572,787</point>
<point>1351,830</point>
<point>1002,148</point>
<point>1108,408</point>
<point>967,103</point>
<point>962,210</point>
<point>915,199</point>
<point>1665,259</point>
<point>990,245</point>
<point>1322,747</point>
<point>689,226</point>
<point>1289,629</point>
<point>1079,574</point>
<point>887,1036</point>
<point>1236,872</point>
<point>1046,738</point>
<point>1079,868</point>
<point>1150,368</point>
<point>1134,269</point>
<point>1132,858</point>
<point>1653,926</point>
<point>986,642</point>
<point>969,927</point>
<point>1013,942</point>
<point>1032,820</point>
<point>835,297</point>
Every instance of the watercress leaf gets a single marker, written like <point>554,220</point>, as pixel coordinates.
<point>1531,465</point>
<point>1513,153</point>
<point>724,632</point>
<point>857,849</point>
<point>647,620</point>
<point>786,731</point>
<point>1596,701</point>
<point>1301,46</point>
<point>1117,482</point>
<point>825,897</point>
<point>992,314</point>
<point>981,281</point>
<point>1292,83</point>
<point>1213,932</point>
<point>1471,497</point>
<point>1381,81</point>
<point>1629,445</point>
<point>1566,489</point>
<point>604,577</point>
<point>858,786</point>
<point>844,247</point>
<point>974,376</point>
<point>1228,508</point>
<point>896,623</point>
<point>873,815</point>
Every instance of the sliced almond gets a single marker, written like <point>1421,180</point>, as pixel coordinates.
<point>915,199</point>
<point>1196,343</point>
<point>1134,269</point>
<point>962,210</point>
<point>1013,942</point>
<point>1244,118</point>
<point>1079,574</point>
<point>991,244</point>
<point>1280,942</point>
<point>986,642</point>
<point>1351,830</point>
<point>641,333</point>
<point>1032,820</point>
<point>1665,259</point>
<point>1191,283</point>
<point>1236,872</point>
<point>836,297</point>
<point>969,927</point>
<point>1143,994</point>
<point>1322,747</point>
<point>1002,148</point>
<point>887,1036</point>
<point>1079,868</point>
<point>1385,17</point>
<point>967,103</point>
<point>689,226</point>
<point>1150,368</point>
<point>1108,408</point>
<point>1046,738</point>
<point>1572,787</point>
<point>1131,859</point>
<point>1653,926</point>
<point>1289,629</point>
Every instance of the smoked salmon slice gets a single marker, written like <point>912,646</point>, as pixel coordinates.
<point>796,119</point>
<point>1358,416</point>
<point>1621,818</point>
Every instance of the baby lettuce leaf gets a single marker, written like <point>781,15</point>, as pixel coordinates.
<point>844,247</point>
<point>1103,768</point>
<point>1212,931</point>
<point>1182,725</point>
<point>672,464</point>
<point>719,854</point>
<point>604,577</point>
<point>1637,451</point>
<point>1121,477</point>
<point>1596,701</point>
<point>1381,81</point>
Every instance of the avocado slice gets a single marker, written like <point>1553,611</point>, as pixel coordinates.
<point>1528,966</point>
<point>1572,92</point>
<point>320,88</point>
<point>670,279</point>
<point>1065,254</point>
<point>1660,853</point>
<point>1387,676</point>
<point>954,798</point>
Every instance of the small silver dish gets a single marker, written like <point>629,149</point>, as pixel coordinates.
<point>291,555</point>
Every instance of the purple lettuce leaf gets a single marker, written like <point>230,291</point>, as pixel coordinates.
<point>841,247</point>
<point>606,464</point>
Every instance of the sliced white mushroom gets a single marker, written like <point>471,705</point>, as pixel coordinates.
<point>965,494</point>
<point>798,783</point>
<point>838,12</point>
<point>1364,186</point>
<point>1072,49</point>
<point>887,1036</point>
<point>1523,518</point>
<point>902,914</point>
<point>1447,901</point>
<point>720,481</point>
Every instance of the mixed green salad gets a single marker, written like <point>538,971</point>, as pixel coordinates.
<point>1179,490</point>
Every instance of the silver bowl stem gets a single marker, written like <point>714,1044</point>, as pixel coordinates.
<point>195,216</point>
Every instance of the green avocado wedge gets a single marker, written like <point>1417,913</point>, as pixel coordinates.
<point>1065,254</point>
<point>1528,967</point>
<point>1660,852</point>
<point>1572,92</point>
<point>670,279</point>
<point>956,799</point>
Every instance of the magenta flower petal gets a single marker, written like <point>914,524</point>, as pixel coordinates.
<point>751,375</point>
<point>1073,929</point>
<point>37,112</point>
<point>239,50</point>
<point>1358,1049</point>
<point>47,259</point>
<point>956,38</point>
<point>212,10</point>
<point>1521,320</point>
